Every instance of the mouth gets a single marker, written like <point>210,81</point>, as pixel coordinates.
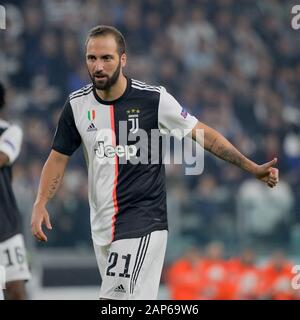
<point>100,77</point>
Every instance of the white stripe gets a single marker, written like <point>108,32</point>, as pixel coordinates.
<point>145,85</point>
<point>101,177</point>
<point>80,91</point>
<point>137,81</point>
<point>147,89</point>
<point>81,94</point>
<point>85,88</point>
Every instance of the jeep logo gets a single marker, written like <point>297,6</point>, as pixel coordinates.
<point>110,151</point>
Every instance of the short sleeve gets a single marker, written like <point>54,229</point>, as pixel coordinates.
<point>11,141</point>
<point>67,138</point>
<point>172,117</point>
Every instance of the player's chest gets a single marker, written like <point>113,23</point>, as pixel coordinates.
<point>127,120</point>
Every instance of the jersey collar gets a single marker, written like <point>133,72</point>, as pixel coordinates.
<point>112,102</point>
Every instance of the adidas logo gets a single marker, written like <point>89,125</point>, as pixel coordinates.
<point>120,288</point>
<point>91,127</point>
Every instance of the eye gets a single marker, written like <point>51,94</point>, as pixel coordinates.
<point>91,58</point>
<point>107,58</point>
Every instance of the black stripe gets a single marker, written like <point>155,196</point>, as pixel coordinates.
<point>137,259</point>
<point>81,94</point>
<point>144,255</point>
<point>136,263</point>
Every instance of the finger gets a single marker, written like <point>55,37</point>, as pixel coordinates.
<point>41,236</point>
<point>274,173</point>
<point>272,183</point>
<point>38,232</point>
<point>270,163</point>
<point>47,222</point>
<point>273,177</point>
<point>35,225</point>
<point>273,180</point>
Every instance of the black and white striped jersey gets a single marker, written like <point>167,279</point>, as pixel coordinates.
<point>10,144</point>
<point>127,199</point>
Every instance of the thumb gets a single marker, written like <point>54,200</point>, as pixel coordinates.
<point>47,222</point>
<point>270,163</point>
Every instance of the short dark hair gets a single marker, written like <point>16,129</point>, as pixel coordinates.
<point>2,96</point>
<point>106,30</point>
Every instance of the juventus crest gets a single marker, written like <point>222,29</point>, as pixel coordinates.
<point>133,118</point>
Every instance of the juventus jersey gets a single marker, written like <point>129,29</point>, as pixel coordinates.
<point>10,144</point>
<point>127,200</point>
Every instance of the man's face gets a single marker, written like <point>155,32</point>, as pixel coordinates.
<point>103,61</point>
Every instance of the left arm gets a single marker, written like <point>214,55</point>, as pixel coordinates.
<point>218,145</point>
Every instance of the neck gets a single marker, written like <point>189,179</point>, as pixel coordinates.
<point>114,92</point>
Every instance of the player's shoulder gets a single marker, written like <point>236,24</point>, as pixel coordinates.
<point>145,88</point>
<point>82,92</point>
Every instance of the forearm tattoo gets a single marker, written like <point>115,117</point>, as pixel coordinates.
<point>228,153</point>
<point>54,185</point>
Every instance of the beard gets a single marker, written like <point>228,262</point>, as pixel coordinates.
<point>108,82</point>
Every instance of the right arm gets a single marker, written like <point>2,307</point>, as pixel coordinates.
<point>66,140</point>
<point>51,178</point>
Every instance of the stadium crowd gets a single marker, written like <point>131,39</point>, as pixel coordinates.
<point>233,64</point>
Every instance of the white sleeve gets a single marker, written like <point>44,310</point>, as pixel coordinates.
<point>172,117</point>
<point>10,142</point>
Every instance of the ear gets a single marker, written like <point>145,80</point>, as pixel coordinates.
<point>123,60</point>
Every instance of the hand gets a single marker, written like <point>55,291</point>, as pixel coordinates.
<point>39,217</point>
<point>267,173</point>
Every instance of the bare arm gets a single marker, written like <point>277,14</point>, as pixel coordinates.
<point>51,178</point>
<point>218,145</point>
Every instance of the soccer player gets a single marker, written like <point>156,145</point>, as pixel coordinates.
<point>127,201</point>
<point>12,249</point>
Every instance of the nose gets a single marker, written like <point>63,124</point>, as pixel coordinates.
<point>98,66</point>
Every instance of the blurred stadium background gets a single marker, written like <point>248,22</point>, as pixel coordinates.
<point>236,66</point>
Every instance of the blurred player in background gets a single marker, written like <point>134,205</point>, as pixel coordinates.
<point>127,201</point>
<point>12,249</point>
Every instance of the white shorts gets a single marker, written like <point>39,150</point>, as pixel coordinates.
<point>13,259</point>
<point>131,268</point>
